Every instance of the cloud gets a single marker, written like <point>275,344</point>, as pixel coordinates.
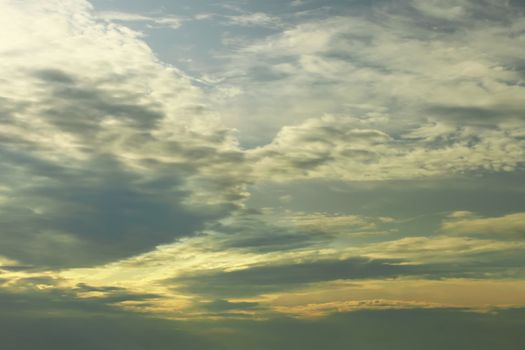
<point>432,258</point>
<point>106,152</point>
<point>255,19</point>
<point>448,10</point>
<point>247,256</point>
<point>338,148</point>
<point>56,320</point>
<point>510,225</point>
<point>444,93</point>
<point>221,306</point>
<point>405,329</point>
<point>167,21</point>
<point>276,230</point>
<point>323,309</point>
<point>322,299</point>
<point>258,234</point>
<point>121,188</point>
<point>264,279</point>
<point>438,249</point>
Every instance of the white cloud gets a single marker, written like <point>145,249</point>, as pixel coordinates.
<point>157,21</point>
<point>255,19</point>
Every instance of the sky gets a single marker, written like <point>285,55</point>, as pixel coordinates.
<point>248,174</point>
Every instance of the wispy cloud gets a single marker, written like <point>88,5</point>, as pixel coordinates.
<point>511,225</point>
<point>172,22</point>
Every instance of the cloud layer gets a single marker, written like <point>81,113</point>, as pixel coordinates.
<point>262,175</point>
<point>106,151</point>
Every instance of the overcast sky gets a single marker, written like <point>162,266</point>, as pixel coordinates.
<point>249,174</point>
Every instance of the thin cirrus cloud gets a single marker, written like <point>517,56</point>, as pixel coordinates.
<point>170,22</point>
<point>340,148</point>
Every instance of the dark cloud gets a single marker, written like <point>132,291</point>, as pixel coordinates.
<point>87,288</point>
<point>54,76</point>
<point>107,211</point>
<point>277,240</point>
<point>263,279</point>
<point>79,106</point>
<point>111,295</point>
<point>486,117</point>
<point>282,278</point>
<point>56,320</point>
<point>16,268</point>
<point>249,231</point>
<point>422,202</point>
<point>377,330</point>
<point>99,209</point>
<point>220,306</point>
<point>104,154</point>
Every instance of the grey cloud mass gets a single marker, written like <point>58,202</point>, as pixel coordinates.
<point>37,326</point>
<point>265,279</point>
<point>99,163</point>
